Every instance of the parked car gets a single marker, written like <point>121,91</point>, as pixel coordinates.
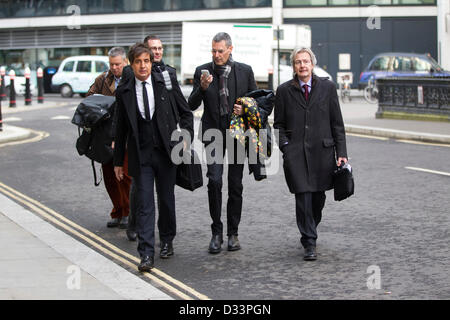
<point>76,74</point>
<point>400,64</point>
<point>286,73</point>
<point>19,82</point>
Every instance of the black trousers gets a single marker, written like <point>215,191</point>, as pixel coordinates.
<point>162,173</point>
<point>308,209</point>
<point>235,188</point>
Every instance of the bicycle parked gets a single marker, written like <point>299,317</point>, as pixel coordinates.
<point>371,91</point>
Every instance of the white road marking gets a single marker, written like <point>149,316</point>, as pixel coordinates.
<point>425,143</point>
<point>60,118</point>
<point>12,119</point>
<point>367,136</point>
<point>429,171</point>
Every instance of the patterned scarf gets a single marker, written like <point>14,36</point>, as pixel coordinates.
<point>223,72</point>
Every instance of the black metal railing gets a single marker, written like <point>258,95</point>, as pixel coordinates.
<point>418,95</point>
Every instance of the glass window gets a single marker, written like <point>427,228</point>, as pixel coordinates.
<point>69,66</point>
<point>370,2</point>
<point>84,66</point>
<point>343,2</point>
<point>295,3</point>
<point>380,64</point>
<point>421,65</point>
<point>100,66</point>
<point>402,64</point>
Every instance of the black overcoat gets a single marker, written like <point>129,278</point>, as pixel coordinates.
<point>127,135</point>
<point>240,81</point>
<point>314,132</point>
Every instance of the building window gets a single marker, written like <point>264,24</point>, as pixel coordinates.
<point>324,3</point>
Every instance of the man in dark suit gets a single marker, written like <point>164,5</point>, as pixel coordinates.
<point>312,139</point>
<point>169,74</point>
<point>146,119</point>
<point>218,88</point>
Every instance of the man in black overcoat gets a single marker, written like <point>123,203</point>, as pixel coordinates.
<point>224,81</point>
<point>312,139</point>
<point>145,122</point>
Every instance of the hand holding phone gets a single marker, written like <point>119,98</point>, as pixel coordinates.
<point>205,79</point>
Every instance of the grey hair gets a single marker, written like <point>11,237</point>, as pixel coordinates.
<point>223,36</point>
<point>296,51</point>
<point>117,51</point>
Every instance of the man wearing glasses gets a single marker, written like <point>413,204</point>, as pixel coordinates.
<point>218,84</point>
<point>312,139</point>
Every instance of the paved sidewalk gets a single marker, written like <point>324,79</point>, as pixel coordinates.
<point>39,261</point>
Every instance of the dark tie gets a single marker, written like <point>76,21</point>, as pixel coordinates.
<point>145,98</point>
<point>305,86</point>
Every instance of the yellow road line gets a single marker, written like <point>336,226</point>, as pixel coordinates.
<point>425,143</point>
<point>39,135</point>
<point>429,171</point>
<point>50,214</point>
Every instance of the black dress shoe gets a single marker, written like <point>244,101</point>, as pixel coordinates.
<point>123,223</point>
<point>114,222</point>
<point>166,250</point>
<point>131,235</point>
<point>310,254</point>
<point>215,246</point>
<point>233,243</point>
<point>146,264</point>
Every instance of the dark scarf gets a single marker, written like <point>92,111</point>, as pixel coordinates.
<point>223,72</point>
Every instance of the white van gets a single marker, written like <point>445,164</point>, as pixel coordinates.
<point>76,74</point>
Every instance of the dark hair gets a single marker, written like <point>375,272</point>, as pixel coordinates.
<point>151,37</point>
<point>137,49</point>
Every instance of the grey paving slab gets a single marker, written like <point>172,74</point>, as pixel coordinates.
<point>39,262</point>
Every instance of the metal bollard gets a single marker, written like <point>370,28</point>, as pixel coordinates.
<point>40,82</point>
<point>2,86</point>
<point>1,120</point>
<point>12,90</point>
<point>270,78</point>
<point>27,86</point>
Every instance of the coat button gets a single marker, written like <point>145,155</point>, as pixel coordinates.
<point>306,127</point>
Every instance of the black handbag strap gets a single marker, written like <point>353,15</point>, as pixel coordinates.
<point>95,174</point>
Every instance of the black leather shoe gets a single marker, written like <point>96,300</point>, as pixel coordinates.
<point>114,222</point>
<point>166,250</point>
<point>146,264</point>
<point>215,246</point>
<point>131,235</point>
<point>233,243</point>
<point>123,224</point>
<point>310,254</point>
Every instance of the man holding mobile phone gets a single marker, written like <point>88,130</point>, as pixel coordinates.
<point>218,84</point>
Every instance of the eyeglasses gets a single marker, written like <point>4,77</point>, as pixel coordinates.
<point>305,62</point>
<point>156,48</point>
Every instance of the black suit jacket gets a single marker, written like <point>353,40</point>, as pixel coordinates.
<point>242,83</point>
<point>169,105</point>
<point>314,132</point>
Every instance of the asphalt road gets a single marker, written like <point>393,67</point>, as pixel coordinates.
<point>397,223</point>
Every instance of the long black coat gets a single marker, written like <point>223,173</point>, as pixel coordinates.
<point>240,81</point>
<point>127,135</point>
<point>314,132</point>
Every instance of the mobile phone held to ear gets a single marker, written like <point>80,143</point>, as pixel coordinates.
<point>205,72</point>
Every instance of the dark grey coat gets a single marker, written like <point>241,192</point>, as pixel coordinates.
<point>314,133</point>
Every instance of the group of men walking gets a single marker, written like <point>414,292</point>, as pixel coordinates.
<point>150,106</point>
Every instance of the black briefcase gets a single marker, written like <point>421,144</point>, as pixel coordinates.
<point>189,175</point>
<point>344,185</point>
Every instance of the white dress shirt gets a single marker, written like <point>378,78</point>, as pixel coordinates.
<point>151,96</point>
